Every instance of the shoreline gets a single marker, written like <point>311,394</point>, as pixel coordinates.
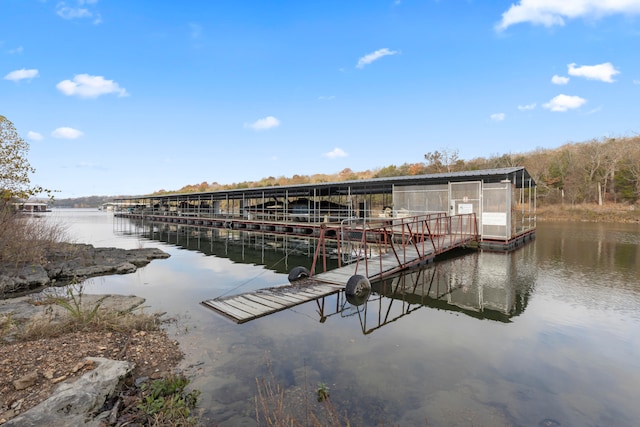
<point>69,263</point>
<point>608,213</point>
<point>69,374</point>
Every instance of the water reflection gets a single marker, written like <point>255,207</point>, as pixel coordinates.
<point>276,252</point>
<point>610,252</point>
<point>482,285</point>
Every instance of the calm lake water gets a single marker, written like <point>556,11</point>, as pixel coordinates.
<point>547,335</point>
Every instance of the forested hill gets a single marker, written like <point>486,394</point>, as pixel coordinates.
<point>82,202</point>
<point>596,171</point>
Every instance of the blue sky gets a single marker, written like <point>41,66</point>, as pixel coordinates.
<point>128,97</point>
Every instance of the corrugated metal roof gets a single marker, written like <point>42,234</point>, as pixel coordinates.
<point>518,175</point>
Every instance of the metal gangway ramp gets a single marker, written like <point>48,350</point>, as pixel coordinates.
<point>373,249</point>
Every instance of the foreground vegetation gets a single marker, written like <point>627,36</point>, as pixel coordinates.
<point>25,241</point>
<point>66,315</point>
<point>152,402</point>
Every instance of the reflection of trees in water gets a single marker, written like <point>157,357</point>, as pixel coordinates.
<point>276,252</point>
<point>610,252</point>
<point>483,285</point>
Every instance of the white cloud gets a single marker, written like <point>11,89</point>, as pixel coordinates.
<point>78,11</point>
<point>66,133</point>
<point>559,80</point>
<point>34,136</point>
<point>498,117</point>
<point>554,12</point>
<point>527,107</point>
<point>335,153</point>
<point>269,122</point>
<point>636,82</point>
<point>68,12</point>
<point>22,74</point>
<point>86,86</point>
<point>562,103</point>
<point>374,56</point>
<point>17,50</point>
<point>327,98</point>
<point>603,72</point>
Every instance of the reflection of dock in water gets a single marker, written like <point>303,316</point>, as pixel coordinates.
<point>486,286</point>
<point>481,285</point>
<point>274,251</point>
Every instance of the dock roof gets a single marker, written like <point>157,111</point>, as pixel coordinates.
<point>517,175</point>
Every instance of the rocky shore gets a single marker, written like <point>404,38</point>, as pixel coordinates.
<point>72,262</point>
<point>77,378</point>
<point>70,379</point>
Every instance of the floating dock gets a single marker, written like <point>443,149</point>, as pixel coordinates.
<point>244,307</point>
<point>407,243</point>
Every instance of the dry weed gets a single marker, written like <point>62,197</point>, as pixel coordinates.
<point>273,408</point>
<point>26,239</point>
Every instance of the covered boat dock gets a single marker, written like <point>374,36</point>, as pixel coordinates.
<point>378,227</point>
<point>503,201</point>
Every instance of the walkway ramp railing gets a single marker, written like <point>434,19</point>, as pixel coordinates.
<point>370,243</point>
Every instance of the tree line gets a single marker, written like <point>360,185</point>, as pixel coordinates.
<point>596,171</point>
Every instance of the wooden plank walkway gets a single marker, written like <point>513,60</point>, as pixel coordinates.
<point>244,307</point>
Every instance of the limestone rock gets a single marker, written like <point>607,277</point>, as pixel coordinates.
<point>73,403</point>
<point>74,261</point>
<point>21,279</point>
<point>81,260</point>
<point>26,381</point>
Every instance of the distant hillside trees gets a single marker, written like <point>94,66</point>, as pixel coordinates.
<point>82,202</point>
<point>444,160</point>
<point>598,171</point>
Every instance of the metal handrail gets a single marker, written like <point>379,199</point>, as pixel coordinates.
<point>428,235</point>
